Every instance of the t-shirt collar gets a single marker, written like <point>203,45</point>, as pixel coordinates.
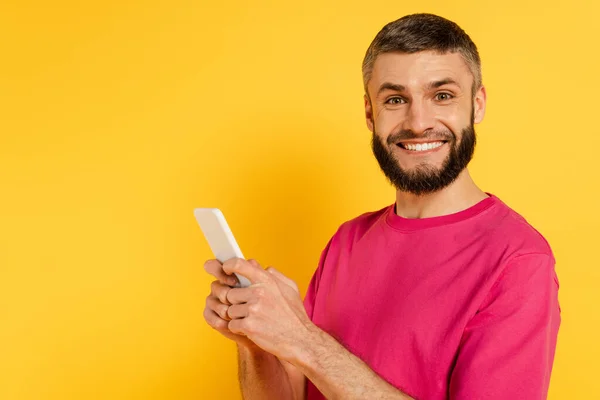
<point>411,224</point>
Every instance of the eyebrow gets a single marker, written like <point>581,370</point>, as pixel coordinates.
<point>445,81</point>
<point>390,86</point>
<point>431,85</point>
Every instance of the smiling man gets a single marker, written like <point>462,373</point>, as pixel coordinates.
<point>445,294</point>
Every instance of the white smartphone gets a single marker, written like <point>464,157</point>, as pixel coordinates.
<point>219,237</point>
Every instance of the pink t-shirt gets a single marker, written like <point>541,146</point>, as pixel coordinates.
<point>462,306</point>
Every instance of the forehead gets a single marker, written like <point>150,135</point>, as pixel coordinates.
<point>417,69</point>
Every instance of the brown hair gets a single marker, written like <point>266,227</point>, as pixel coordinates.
<point>422,32</point>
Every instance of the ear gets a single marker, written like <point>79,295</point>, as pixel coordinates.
<point>368,112</point>
<point>479,104</point>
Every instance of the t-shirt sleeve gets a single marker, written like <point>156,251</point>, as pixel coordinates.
<point>507,348</point>
<point>313,286</point>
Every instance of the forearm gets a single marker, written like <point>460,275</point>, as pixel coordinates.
<point>262,376</point>
<point>339,374</point>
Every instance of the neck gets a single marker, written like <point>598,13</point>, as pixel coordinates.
<point>459,195</point>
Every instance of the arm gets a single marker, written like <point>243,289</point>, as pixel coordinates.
<point>264,376</point>
<point>271,314</point>
<point>339,374</point>
<point>507,348</point>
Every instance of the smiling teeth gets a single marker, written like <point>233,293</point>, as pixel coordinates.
<point>422,146</point>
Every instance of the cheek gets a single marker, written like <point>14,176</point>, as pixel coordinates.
<point>454,120</point>
<point>388,121</point>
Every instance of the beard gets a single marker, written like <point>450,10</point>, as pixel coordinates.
<point>425,178</point>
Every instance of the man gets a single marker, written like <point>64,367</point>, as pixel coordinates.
<point>448,293</point>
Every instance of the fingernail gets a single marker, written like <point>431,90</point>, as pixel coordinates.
<point>232,281</point>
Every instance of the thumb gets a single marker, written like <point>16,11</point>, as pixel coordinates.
<point>248,269</point>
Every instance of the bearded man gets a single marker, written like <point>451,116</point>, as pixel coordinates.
<point>446,294</point>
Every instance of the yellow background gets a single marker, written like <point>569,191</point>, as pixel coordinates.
<point>117,118</point>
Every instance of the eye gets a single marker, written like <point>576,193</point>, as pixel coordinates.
<point>395,100</point>
<point>443,96</point>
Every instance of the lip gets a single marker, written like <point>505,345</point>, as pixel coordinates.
<point>422,152</point>
<point>421,141</point>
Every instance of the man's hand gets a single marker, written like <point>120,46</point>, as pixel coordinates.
<point>269,315</point>
<point>215,312</point>
<point>269,312</point>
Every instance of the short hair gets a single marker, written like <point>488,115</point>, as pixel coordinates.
<point>423,32</point>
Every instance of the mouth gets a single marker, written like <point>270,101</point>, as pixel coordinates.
<point>421,147</point>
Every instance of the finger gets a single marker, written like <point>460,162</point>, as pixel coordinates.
<point>245,295</point>
<point>215,268</point>
<point>219,290</point>
<point>218,307</point>
<point>282,278</point>
<point>254,262</point>
<point>238,326</point>
<point>251,270</point>
<point>238,311</point>
<point>214,320</point>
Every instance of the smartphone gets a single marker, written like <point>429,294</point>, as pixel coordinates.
<point>219,237</point>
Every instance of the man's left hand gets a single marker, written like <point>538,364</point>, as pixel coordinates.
<point>270,311</point>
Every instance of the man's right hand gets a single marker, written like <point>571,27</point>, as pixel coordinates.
<point>256,364</point>
<point>215,312</point>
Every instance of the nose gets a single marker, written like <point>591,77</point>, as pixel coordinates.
<point>420,117</point>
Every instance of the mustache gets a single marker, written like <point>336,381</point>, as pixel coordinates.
<point>407,134</point>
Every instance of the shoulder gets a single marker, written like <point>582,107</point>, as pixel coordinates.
<point>520,237</point>
<point>523,253</point>
<point>353,230</point>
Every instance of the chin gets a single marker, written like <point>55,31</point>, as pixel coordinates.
<point>421,166</point>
